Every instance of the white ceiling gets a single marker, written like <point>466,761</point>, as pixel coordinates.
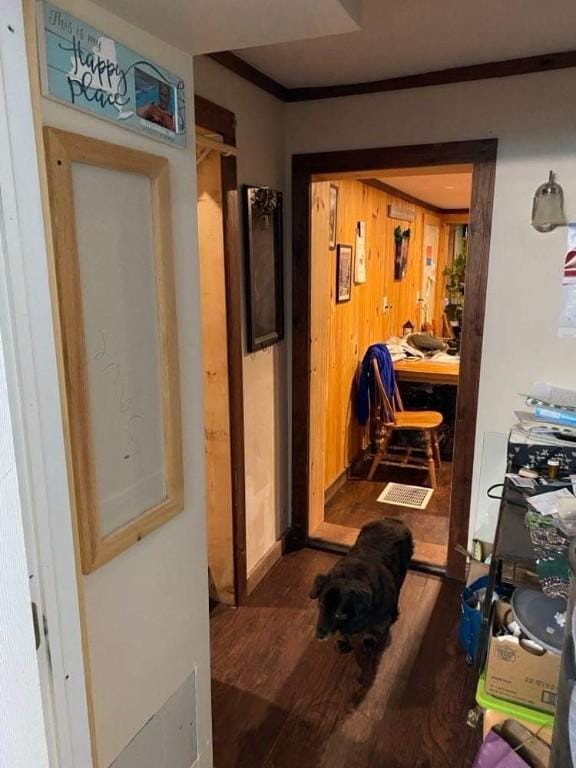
<point>447,190</point>
<point>402,37</point>
<point>205,26</point>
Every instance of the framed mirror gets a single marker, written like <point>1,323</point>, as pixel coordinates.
<point>111,223</point>
<point>263,250</point>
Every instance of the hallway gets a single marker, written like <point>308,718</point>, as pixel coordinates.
<point>282,699</point>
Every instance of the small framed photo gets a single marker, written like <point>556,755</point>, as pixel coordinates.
<point>343,273</point>
<point>333,216</point>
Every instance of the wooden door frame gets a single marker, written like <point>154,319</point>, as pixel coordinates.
<point>215,118</point>
<point>482,155</point>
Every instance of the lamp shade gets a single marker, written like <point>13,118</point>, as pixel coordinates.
<point>548,206</point>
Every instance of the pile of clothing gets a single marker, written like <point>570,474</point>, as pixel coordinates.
<point>419,345</point>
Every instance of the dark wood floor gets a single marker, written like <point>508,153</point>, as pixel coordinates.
<point>355,503</point>
<point>282,699</point>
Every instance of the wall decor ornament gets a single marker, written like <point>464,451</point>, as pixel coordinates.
<point>344,255</point>
<point>88,70</point>
<point>401,244</point>
<point>333,217</point>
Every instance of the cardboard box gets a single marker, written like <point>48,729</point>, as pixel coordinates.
<point>517,674</point>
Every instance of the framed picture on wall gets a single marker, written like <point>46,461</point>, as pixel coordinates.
<point>401,244</point>
<point>333,216</point>
<point>86,69</point>
<point>264,266</point>
<point>343,273</point>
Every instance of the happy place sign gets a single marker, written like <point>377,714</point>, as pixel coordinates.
<point>85,69</point>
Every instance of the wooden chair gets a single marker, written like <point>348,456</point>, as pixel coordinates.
<point>390,417</point>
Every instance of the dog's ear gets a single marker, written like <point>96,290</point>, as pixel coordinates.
<point>319,583</point>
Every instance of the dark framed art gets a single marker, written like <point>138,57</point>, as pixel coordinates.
<point>333,217</point>
<point>343,273</point>
<point>264,267</point>
<point>401,243</point>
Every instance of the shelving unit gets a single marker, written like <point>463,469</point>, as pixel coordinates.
<point>514,564</point>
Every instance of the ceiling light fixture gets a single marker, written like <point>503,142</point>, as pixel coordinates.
<point>548,206</point>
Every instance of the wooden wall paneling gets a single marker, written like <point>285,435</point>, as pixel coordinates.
<point>323,277</point>
<point>362,321</point>
<point>216,393</point>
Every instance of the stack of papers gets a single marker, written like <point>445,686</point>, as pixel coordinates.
<point>560,506</point>
<point>549,418</point>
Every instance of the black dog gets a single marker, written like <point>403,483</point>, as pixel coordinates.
<point>360,594</point>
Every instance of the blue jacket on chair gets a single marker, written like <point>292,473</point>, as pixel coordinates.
<point>366,384</point>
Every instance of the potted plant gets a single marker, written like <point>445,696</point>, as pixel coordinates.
<point>455,275</point>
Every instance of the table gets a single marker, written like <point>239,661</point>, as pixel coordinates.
<point>427,371</point>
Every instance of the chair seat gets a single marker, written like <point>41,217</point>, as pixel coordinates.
<point>417,420</point>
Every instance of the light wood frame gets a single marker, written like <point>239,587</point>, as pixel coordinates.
<point>63,149</point>
<point>220,120</point>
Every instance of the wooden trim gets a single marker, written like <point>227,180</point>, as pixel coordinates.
<point>494,69</point>
<point>301,299</point>
<point>482,154</point>
<point>222,121</point>
<point>215,118</point>
<point>63,149</point>
<point>263,567</point>
<point>409,156</point>
<point>479,231</point>
<point>380,185</point>
<point>382,173</point>
<point>341,537</point>
<point>545,62</point>
<point>251,74</point>
<point>336,484</point>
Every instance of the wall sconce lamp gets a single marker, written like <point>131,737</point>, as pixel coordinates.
<point>548,206</point>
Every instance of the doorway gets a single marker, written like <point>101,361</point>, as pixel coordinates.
<point>220,279</point>
<point>312,524</point>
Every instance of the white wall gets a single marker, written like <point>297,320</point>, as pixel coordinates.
<point>147,609</point>
<point>261,158</point>
<point>534,119</point>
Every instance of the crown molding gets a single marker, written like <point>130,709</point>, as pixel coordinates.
<point>495,69</point>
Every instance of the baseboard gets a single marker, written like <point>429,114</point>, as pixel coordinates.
<point>345,475</point>
<point>264,565</point>
<point>335,486</point>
